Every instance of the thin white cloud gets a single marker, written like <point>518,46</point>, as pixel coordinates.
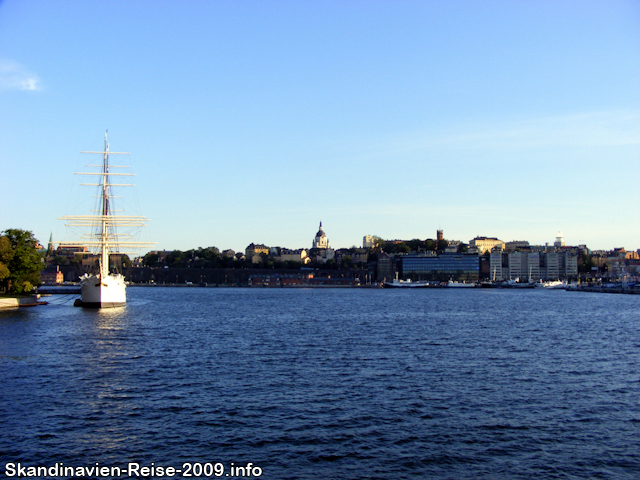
<point>14,76</point>
<point>594,129</point>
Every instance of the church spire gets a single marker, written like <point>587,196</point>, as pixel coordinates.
<point>321,240</point>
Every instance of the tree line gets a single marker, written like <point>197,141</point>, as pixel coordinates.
<point>21,261</point>
<point>211,257</point>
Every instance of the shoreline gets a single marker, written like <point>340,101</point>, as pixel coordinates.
<point>15,302</point>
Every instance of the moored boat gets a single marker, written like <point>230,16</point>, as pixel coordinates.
<point>456,284</point>
<point>517,284</point>
<point>556,285</point>
<point>405,284</point>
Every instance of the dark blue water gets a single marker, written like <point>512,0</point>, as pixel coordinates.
<point>329,383</point>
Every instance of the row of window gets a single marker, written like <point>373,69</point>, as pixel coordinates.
<point>442,263</point>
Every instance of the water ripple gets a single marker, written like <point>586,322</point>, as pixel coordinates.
<point>336,383</point>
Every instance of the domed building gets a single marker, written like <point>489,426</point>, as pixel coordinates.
<point>321,240</point>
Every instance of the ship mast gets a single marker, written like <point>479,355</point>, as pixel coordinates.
<point>104,233</point>
<point>104,223</point>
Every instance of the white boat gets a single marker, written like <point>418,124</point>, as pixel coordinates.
<point>555,285</point>
<point>405,284</point>
<point>457,284</point>
<point>103,288</point>
<point>516,284</point>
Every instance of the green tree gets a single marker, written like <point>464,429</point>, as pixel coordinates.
<point>6,254</point>
<point>378,243</point>
<point>150,259</point>
<point>403,248</point>
<point>346,262</point>
<point>585,263</point>
<point>26,261</point>
<point>415,245</point>
<point>176,259</point>
<point>59,260</point>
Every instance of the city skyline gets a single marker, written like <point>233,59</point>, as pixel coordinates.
<point>550,244</point>
<point>251,122</point>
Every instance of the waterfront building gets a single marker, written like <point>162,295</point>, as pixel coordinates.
<point>384,268</point>
<point>439,235</point>
<point>279,279</point>
<point>495,266</point>
<point>570,265</point>
<point>486,244</point>
<point>532,269</point>
<point>514,261</point>
<point>321,241</point>
<point>534,265</point>
<point>446,266</point>
<point>552,265</point>
<point>357,255</point>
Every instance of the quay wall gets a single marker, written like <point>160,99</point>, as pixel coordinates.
<point>223,276</point>
<point>20,302</point>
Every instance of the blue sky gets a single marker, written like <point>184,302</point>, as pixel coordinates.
<point>251,121</point>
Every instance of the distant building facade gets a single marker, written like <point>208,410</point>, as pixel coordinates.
<point>253,252</point>
<point>299,255</point>
<point>532,266</point>
<point>446,266</point>
<point>514,245</point>
<point>486,244</point>
<point>52,276</point>
<point>384,268</point>
<point>368,241</point>
<point>496,267</point>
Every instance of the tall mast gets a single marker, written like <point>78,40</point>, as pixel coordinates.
<point>103,224</point>
<point>104,234</point>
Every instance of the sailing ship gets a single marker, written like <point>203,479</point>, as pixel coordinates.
<point>104,288</point>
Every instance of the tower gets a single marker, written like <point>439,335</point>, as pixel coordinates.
<point>321,240</point>
<point>51,247</point>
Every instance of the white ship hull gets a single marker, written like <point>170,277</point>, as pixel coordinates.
<point>110,292</point>
<point>405,284</point>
